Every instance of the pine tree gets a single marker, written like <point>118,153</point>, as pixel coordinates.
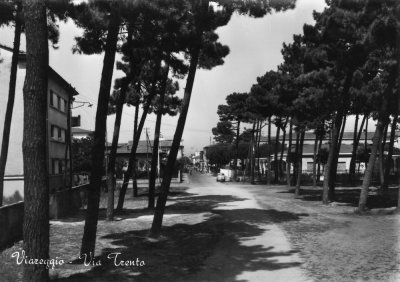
<point>36,188</point>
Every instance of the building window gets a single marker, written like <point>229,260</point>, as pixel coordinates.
<point>341,166</point>
<point>51,98</point>
<point>58,102</point>
<point>57,133</point>
<point>57,166</point>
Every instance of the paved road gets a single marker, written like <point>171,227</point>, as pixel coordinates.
<point>334,244</point>
<point>253,247</point>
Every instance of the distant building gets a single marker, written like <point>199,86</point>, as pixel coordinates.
<point>80,133</point>
<point>59,98</point>
<point>144,152</point>
<point>344,154</point>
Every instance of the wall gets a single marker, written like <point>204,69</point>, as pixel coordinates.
<point>67,202</point>
<point>11,220</point>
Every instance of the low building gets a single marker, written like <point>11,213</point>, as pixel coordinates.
<point>143,153</point>
<point>80,133</point>
<point>345,153</point>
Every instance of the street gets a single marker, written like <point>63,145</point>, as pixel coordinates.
<point>227,231</point>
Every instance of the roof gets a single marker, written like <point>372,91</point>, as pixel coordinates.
<point>311,136</point>
<point>144,147</point>
<point>308,149</point>
<point>81,130</point>
<point>67,86</point>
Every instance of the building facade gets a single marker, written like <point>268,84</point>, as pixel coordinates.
<point>59,98</point>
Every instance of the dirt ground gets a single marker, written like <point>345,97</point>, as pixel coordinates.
<point>228,232</point>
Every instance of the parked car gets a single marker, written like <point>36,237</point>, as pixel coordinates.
<point>221,177</point>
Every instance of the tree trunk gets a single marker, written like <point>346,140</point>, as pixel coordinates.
<point>258,152</point>
<point>137,132</point>
<point>352,171</point>
<point>11,98</point>
<point>390,153</point>
<point>36,185</point>
<point>237,147</point>
<point>382,121</point>
<point>252,163</point>
<point>295,159</point>
<point>269,153</point>
<point>332,180</point>
<point>154,156</point>
<point>381,149</point>
<point>362,204</point>
<point>132,156</point>
<point>331,157</point>
<point>90,229</point>
<point>299,164</point>
<point>276,149</point>
<point>380,162</point>
<point>162,199</point>
<point>366,134</point>
<point>352,167</point>
<point>113,152</point>
<point>319,163</point>
<point>135,129</point>
<point>282,166</point>
<point>315,161</point>
<point>289,150</point>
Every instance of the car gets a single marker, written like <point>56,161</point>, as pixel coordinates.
<point>221,177</point>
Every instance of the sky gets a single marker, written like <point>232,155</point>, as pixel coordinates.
<point>255,48</point>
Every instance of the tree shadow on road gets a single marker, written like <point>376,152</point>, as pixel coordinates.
<point>350,196</point>
<point>213,247</point>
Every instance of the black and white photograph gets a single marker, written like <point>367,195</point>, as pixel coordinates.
<point>200,140</point>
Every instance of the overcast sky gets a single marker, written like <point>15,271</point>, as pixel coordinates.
<point>254,44</point>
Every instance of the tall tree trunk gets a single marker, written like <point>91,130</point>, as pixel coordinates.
<point>282,166</point>
<point>295,159</point>
<point>332,180</point>
<point>380,162</point>
<point>276,149</point>
<point>354,150</point>
<point>165,185</point>
<point>237,147</point>
<point>289,150</point>
<point>92,214</point>
<point>36,185</point>
<point>113,152</point>
<point>381,149</point>
<point>389,160</point>
<point>362,204</point>
<point>135,133</point>
<point>132,156</point>
<point>258,152</point>
<point>352,167</point>
<point>252,163</point>
<point>299,164</point>
<point>366,134</point>
<point>154,156</point>
<point>331,157</point>
<point>269,153</point>
<point>382,121</point>
<point>331,166</point>
<point>11,98</point>
<point>315,161</point>
<point>319,162</point>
